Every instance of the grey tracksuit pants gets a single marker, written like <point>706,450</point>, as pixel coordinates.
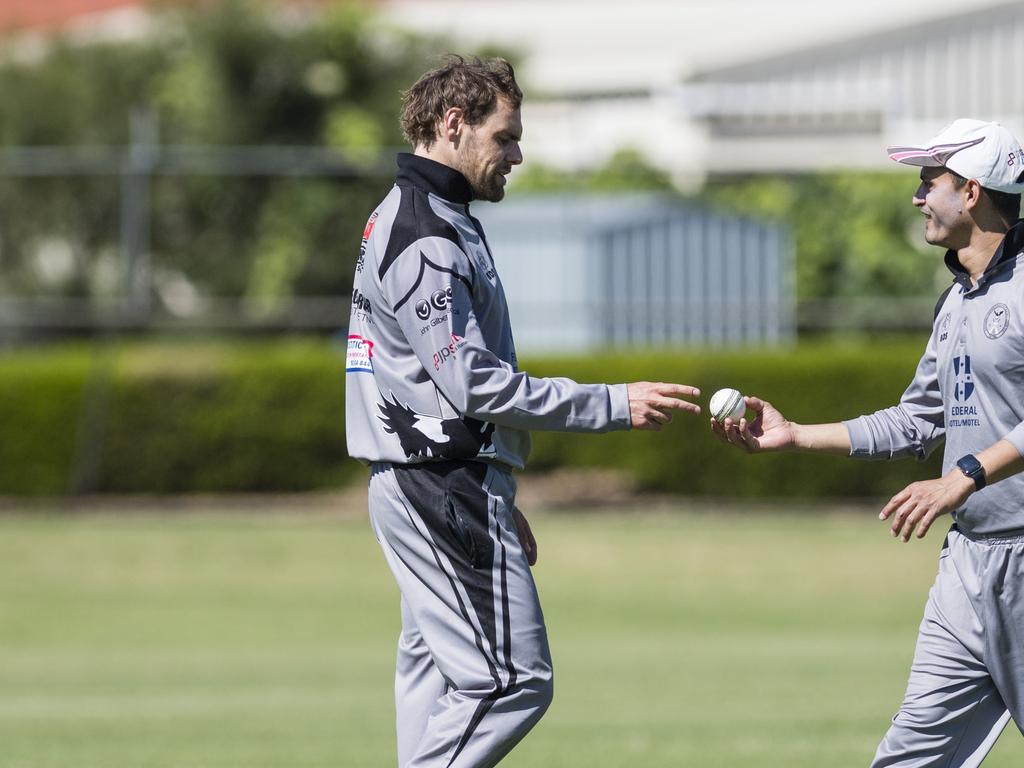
<point>474,670</point>
<point>967,677</point>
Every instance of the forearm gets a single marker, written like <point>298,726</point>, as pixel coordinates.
<point>1000,460</point>
<point>821,438</point>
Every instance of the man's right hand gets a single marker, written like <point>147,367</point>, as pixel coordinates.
<point>769,431</point>
<point>651,403</point>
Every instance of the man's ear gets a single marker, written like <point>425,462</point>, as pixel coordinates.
<point>972,193</point>
<point>451,124</point>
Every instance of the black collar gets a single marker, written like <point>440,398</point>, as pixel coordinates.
<point>431,176</point>
<point>1012,244</point>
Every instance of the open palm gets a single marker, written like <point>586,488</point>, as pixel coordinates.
<point>770,429</point>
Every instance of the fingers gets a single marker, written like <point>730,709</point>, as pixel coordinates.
<point>718,430</point>
<point>651,403</point>
<point>671,402</point>
<point>755,403</point>
<point>904,520</point>
<point>925,524</point>
<point>913,510</point>
<point>674,390</point>
<point>747,439</point>
<point>735,434</point>
<point>894,503</point>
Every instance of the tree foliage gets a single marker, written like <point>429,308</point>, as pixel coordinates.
<point>233,72</point>
<point>855,233</point>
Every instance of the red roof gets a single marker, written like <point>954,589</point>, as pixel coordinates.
<point>53,13</point>
<point>26,14</point>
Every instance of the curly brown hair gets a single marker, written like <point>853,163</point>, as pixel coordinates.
<point>473,85</point>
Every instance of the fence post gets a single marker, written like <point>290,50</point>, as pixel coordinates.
<point>136,172</point>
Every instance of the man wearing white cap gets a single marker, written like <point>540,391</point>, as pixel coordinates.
<point>967,677</point>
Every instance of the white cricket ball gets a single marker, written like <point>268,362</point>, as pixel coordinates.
<point>727,404</point>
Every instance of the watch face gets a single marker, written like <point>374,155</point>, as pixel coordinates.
<point>971,467</point>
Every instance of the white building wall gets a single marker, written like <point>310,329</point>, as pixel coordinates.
<point>579,58</point>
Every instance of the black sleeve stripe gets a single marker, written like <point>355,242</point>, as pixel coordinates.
<point>415,219</point>
<point>424,263</point>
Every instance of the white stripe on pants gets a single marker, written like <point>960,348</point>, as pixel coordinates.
<point>474,670</point>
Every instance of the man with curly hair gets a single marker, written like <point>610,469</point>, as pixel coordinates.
<point>437,405</point>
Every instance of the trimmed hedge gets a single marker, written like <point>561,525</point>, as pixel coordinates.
<point>811,383</point>
<point>174,418</point>
<point>168,417</point>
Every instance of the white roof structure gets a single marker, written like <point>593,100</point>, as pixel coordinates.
<point>740,85</point>
<point>838,105</point>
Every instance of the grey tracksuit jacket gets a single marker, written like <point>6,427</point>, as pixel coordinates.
<point>968,388</point>
<point>431,371</point>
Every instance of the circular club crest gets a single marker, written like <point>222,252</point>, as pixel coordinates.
<point>997,321</point>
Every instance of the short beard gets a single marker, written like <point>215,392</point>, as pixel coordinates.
<point>491,193</point>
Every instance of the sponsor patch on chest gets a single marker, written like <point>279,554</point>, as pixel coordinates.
<point>997,320</point>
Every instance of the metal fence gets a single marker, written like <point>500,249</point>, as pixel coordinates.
<point>581,273</point>
<point>135,171</point>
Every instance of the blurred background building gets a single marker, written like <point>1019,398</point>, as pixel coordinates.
<point>740,87</point>
<point>217,183</point>
<point>193,177</point>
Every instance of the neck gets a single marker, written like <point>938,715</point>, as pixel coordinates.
<point>976,255</point>
<point>439,152</point>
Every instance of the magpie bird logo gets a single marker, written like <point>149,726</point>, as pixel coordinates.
<point>430,437</point>
<point>997,320</point>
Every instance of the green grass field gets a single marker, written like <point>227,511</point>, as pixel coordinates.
<point>680,638</point>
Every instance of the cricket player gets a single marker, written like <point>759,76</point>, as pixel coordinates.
<point>967,677</point>
<point>437,406</point>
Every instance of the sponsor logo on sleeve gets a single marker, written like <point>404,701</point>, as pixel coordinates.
<point>360,304</point>
<point>359,356</point>
<point>367,231</point>
<point>997,321</point>
<point>944,328</point>
<point>439,300</point>
<point>445,354</point>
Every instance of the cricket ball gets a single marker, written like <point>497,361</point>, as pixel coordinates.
<point>727,404</point>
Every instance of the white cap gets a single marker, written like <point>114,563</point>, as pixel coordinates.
<point>986,152</point>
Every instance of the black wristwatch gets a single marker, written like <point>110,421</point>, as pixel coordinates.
<point>971,467</point>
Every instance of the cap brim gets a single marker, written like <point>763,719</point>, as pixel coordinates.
<point>919,156</point>
<point>929,157</point>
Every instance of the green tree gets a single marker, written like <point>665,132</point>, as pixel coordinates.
<point>226,73</point>
<point>856,234</point>
<point>627,170</point>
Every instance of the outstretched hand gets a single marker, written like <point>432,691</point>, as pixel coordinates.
<point>651,403</point>
<point>769,430</point>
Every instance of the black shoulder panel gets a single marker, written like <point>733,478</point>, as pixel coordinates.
<point>424,264</point>
<point>940,302</point>
<point>415,219</point>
